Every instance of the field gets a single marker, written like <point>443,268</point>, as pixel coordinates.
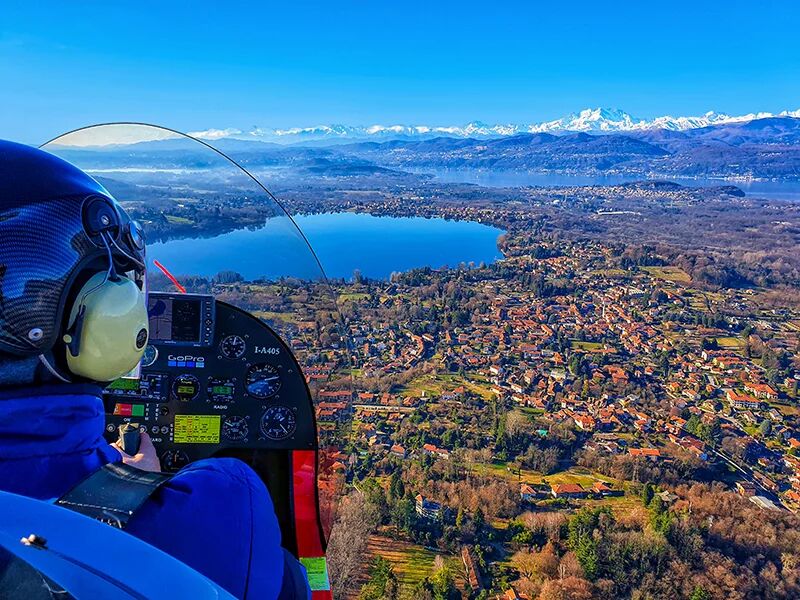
<point>730,343</point>
<point>411,563</point>
<point>581,476</point>
<point>588,346</point>
<point>668,273</point>
<point>787,410</point>
<point>435,384</point>
<point>352,297</point>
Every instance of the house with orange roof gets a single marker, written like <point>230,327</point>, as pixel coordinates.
<point>742,401</point>
<point>650,453</point>
<point>567,490</point>
<point>585,422</point>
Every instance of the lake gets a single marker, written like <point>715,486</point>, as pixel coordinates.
<point>344,242</point>
<point>778,190</point>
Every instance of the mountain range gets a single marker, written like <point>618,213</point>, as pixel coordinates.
<point>759,148</point>
<point>766,148</point>
<point>590,120</point>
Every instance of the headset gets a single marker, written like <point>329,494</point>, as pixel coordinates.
<point>107,329</point>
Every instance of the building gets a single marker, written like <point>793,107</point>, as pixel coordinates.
<point>428,509</point>
<point>745,488</point>
<point>434,451</point>
<point>601,488</point>
<point>585,422</point>
<point>567,490</point>
<point>512,594</point>
<point>527,493</point>
<point>473,571</point>
<point>742,401</point>
<point>651,453</point>
<point>761,390</point>
<point>398,451</point>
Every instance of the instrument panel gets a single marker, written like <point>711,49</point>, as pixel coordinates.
<point>213,380</point>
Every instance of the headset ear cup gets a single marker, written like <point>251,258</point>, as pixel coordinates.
<point>108,327</point>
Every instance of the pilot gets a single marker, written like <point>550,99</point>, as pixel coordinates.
<point>72,318</point>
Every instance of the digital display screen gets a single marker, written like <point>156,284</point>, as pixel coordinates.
<point>186,389</point>
<point>196,429</point>
<point>222,390</point>
<point>175,319</point>
<point>124,384</point>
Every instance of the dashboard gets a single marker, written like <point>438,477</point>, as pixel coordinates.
<point>213,381</point>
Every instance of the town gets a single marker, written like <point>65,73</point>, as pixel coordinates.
<point>598,379</point>
<point>567,376</point>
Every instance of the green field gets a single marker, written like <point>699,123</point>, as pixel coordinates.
<point>787,410</point>
<point>352,297</point>
<point>273,316</point>
<point>434,384</point>
<point>730,343</point>
<point>617,504</point>
<point>583,477</point>
<point>588,346</point>
<point>668,273</point>
<point>411,563</point>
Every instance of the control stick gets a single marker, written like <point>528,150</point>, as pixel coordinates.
<point>129,438</point>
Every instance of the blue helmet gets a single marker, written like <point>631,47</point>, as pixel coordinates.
<point>58,227</point>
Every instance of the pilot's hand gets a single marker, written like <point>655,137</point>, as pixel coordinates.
<point>146,459</point>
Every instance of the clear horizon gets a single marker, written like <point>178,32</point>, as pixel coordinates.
<point>198,68</point>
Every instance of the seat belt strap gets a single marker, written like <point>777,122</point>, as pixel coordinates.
<point>113,494</point>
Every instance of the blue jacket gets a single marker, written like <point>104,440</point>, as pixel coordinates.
<point>215,515</point>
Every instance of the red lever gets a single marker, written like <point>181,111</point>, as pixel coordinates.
<point>170,276</point>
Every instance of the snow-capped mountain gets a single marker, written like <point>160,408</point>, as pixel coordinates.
<point>474,129</point>
<point>591,120</point>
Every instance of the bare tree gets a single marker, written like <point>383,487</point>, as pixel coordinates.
<point>347,546</point>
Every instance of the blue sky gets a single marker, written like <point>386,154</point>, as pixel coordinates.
<point>197,65</point>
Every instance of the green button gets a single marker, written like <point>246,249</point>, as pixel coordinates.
<point>317,570</point>
<point>137,410</point>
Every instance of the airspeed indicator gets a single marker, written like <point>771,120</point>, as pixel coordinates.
<point>263,381</point>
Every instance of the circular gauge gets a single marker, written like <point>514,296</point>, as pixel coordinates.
<point>149,356</point>
<point>278,422</point>
<point>233,347</point>
<point>174,460</point>
<point>234,428</point>
<point>220,389</point>
<point>263,381</point>
<point>185,387</point>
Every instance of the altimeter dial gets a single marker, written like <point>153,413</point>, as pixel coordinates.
<point>278,423</point>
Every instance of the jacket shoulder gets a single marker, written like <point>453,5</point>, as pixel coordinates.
<point>216,515</point>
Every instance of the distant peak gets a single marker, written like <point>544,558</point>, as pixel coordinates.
<point>588,120</point>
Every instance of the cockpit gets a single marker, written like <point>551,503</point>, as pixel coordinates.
<point>241,347</point>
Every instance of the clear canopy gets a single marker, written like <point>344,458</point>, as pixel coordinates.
<point>217,229</point>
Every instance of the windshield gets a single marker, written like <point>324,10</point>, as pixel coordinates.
<point>212,228</point>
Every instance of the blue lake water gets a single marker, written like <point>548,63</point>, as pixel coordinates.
<point>344,242</point>
<point>778,190</point>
